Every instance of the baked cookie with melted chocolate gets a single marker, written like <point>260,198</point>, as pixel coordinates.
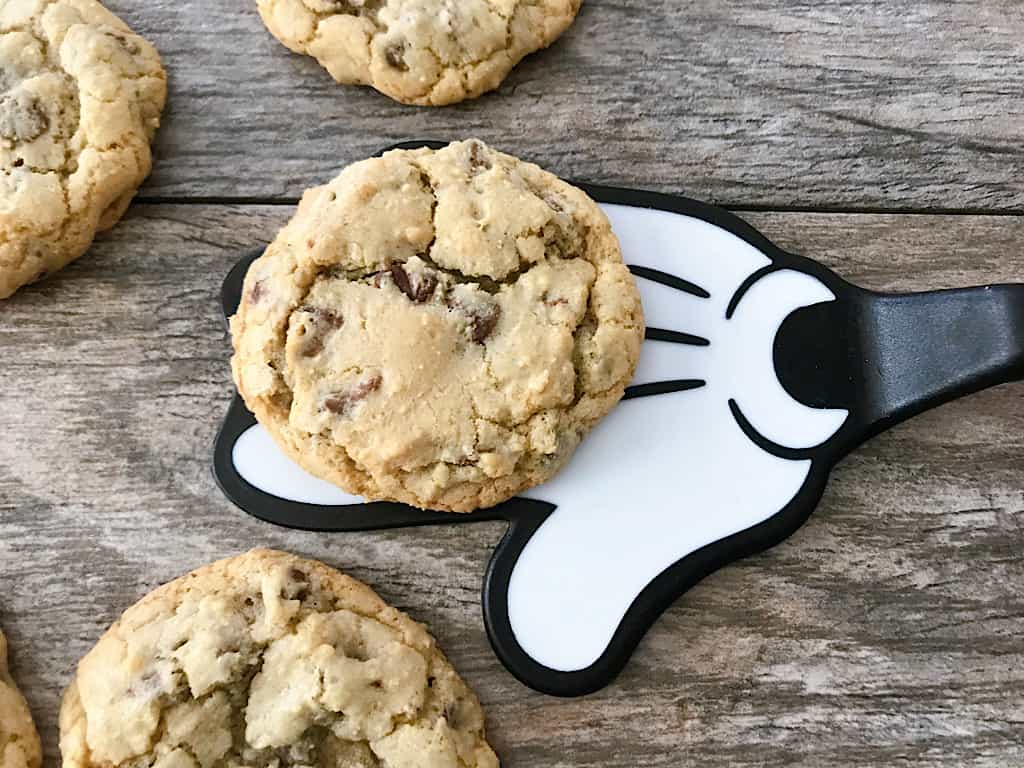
<point>80,100</point>
<point>266,660</point>
<point>426,52</point>
<point>440,328</point>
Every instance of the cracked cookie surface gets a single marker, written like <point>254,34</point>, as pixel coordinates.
<point>425,52</point>
<point>19,742</point>
<point>80,101</point>
<point>440,328</point>
<point>267,660</point>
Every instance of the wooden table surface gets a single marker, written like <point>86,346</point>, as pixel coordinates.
<point>885,138</point>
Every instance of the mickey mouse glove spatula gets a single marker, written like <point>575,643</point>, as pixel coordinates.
<point>759,372</point>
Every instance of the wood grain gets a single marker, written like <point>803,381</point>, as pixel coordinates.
<point>833,103</point>
<point>888,631</point>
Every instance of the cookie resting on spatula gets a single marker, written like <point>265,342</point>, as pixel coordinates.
<point>438,327</point>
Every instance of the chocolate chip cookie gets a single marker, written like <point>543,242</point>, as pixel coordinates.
<point>19,742</point>
<point>80,99</point>
<point>439,328</point>
<point>426,52</point>
<point>268,660</point>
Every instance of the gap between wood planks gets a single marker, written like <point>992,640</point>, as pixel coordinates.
<point>736,208</point>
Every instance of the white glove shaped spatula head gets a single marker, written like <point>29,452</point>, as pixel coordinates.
<point>760,370</point>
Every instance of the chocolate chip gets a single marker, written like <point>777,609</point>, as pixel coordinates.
<point>419,286</point>
<point>482,320</point>
<point>478,159</point>
<point>296,575</point>
<point>256,292</point>
<point>341,402</point>
<point>314,346</point>
<point>325,317</point>
<point>394,54</point>
<point>332,319</point>
<point>323,321</point>
<point>401,278</point>
<point>22,118</point>
<point>479,309</point>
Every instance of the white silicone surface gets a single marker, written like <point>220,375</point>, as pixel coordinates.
<point>661,476</point>
<point>263,465</point>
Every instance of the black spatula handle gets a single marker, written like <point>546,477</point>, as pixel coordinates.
<point>888,357</point>
<point>926,349</point>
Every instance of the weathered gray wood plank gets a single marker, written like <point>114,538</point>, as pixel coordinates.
<point>833,103</point>
<point>889,631</point>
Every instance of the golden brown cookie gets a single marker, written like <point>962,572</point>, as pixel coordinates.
<point>80,101</point>
<point>267,660</point>
<point>439,328</point>
<point>19,742</point>
<point>426,52</point>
